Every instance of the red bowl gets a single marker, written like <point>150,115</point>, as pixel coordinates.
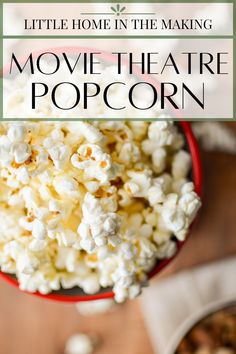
<point>76,294</point>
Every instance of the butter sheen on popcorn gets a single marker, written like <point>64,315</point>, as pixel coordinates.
<point>92,204</point>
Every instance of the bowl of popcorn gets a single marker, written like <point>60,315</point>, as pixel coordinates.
<point>93,209</point>
<point>212,331</point>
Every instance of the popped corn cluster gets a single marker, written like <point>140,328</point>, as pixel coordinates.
<point>92,204</point>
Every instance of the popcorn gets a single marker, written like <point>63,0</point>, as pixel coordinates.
<point>95,307</point>
<point>181,164</point>
<point>129,153</point>
<point>188,201</point>
<point>67,186</point>
<point>37,245</point>
<point>174,217</point>
<point>179,212</point>
<point>159,159</point>
<point>134,291</point>
<point>146,230</point>
<point>80,344</point>
<point>124,198</point>
<point>92,205</point>
<point>167,250</point>
<point>59,155</point>
<point>162,132</point>
<point>26,263</point>
<point>6,156</point>
<point>22,175</point>
<point>147,248</point>
<point>97,227</point>
<point>38,230</point>
<point>155,194</point>
<point>90,132</point>
<point>139,183</point>
<point>139,129</point>
<point>127,251</point>
<point>90,284</point>
<point>16,133</point>
<point>95,163</point>
<point>21,152</point>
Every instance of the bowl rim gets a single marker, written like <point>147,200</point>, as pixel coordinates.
<point>197,180</point>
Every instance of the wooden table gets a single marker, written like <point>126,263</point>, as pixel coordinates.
<point>33,326</point>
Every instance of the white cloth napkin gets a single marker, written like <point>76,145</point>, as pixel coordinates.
<point>168,303</point>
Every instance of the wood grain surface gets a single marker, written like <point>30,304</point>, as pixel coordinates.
<point>33,326</point>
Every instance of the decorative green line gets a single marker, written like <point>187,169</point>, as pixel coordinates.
<point>112,13</point>
<point>139,13</point>
<point>97,13</point>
